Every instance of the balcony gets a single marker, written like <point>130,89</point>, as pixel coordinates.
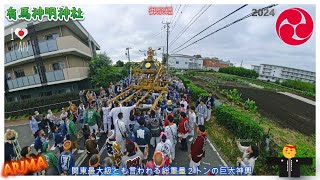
<point>24,81</point>
<point>53,77</point>
<point>64,43</point>
<point>44,46</point>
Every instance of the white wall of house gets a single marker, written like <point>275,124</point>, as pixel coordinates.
<point>185,62</point>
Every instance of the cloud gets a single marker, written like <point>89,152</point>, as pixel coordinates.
<point>253,40</point>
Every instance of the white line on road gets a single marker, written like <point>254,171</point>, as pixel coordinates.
<point>214,149</point>
<point>15,125</point>
<point>205,163</point>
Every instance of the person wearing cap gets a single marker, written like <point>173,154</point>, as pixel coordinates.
<point>197,149</point>
<point>72,132</point>
<point>51,159</point>
<point>165,146</point>
<point>66,159</point>
<point>169,105</point>
<point>142,134</point>
<point>183,131</point>
<point>134,155</point>
<point>63,113</point>
<point>38,116</point>
<point>202,113</point>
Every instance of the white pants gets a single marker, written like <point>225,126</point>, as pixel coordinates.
<point>105,125</point>
<point>122,143</point>
<point>173,151</point>
<point>154,139</point>
<point>191,133</point>
<point>200,120</point>
<point>209,115</point>
<point>94,127</point>
<point>194,166</point>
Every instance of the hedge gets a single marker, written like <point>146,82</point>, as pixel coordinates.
<point>300,85</point>
<point>30,105</point>
<point>241,125</point>
<point>195,90</point>
<point>239,71</point>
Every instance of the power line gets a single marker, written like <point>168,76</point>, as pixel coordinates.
<point>175,23</point>
<point>211,25</point>
<point>175,14</point>
<point>193,20</point>
<point>247,16</point>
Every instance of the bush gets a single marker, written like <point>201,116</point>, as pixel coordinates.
<point>241,125</point>
<point>303,86</point>
<point>250,105</point>
<point>232,95</point>
<point>39,104</point>
<point>239,71</point>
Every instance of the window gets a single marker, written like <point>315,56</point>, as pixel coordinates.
<point>177,62</point>
<point>19,73</point>
<point>52,36</point>
<point>58,66</point>
<point>186,62</point>
<point>26,96</point>
<point>35,69</point>
<point>8,76</point>
<point>48,93</point>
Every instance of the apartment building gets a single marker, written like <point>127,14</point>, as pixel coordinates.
<point>52,59</point>
<point>180,61</point>
<point>273,73</point>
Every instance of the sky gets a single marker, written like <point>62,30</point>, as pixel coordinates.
<point>252,41</point>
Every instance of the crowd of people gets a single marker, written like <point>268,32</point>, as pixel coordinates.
<point>132,127</point>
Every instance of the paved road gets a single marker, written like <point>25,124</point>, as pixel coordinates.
<point>212,158</point>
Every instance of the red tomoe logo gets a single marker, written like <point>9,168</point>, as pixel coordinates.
<point>294,26</point>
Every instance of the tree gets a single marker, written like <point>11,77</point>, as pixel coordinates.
<point>105,75</point>
<point>119,63</point>
<point>99,61</point>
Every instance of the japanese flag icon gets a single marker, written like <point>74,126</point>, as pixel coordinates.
<point>21,33</point>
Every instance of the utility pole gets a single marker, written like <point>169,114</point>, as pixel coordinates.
<point>130,64</point>
<point>241,63</point>
<point>167,56</point>
<point>128,53</point>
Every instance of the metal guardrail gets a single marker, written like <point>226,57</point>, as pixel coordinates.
<point>77,100</point>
